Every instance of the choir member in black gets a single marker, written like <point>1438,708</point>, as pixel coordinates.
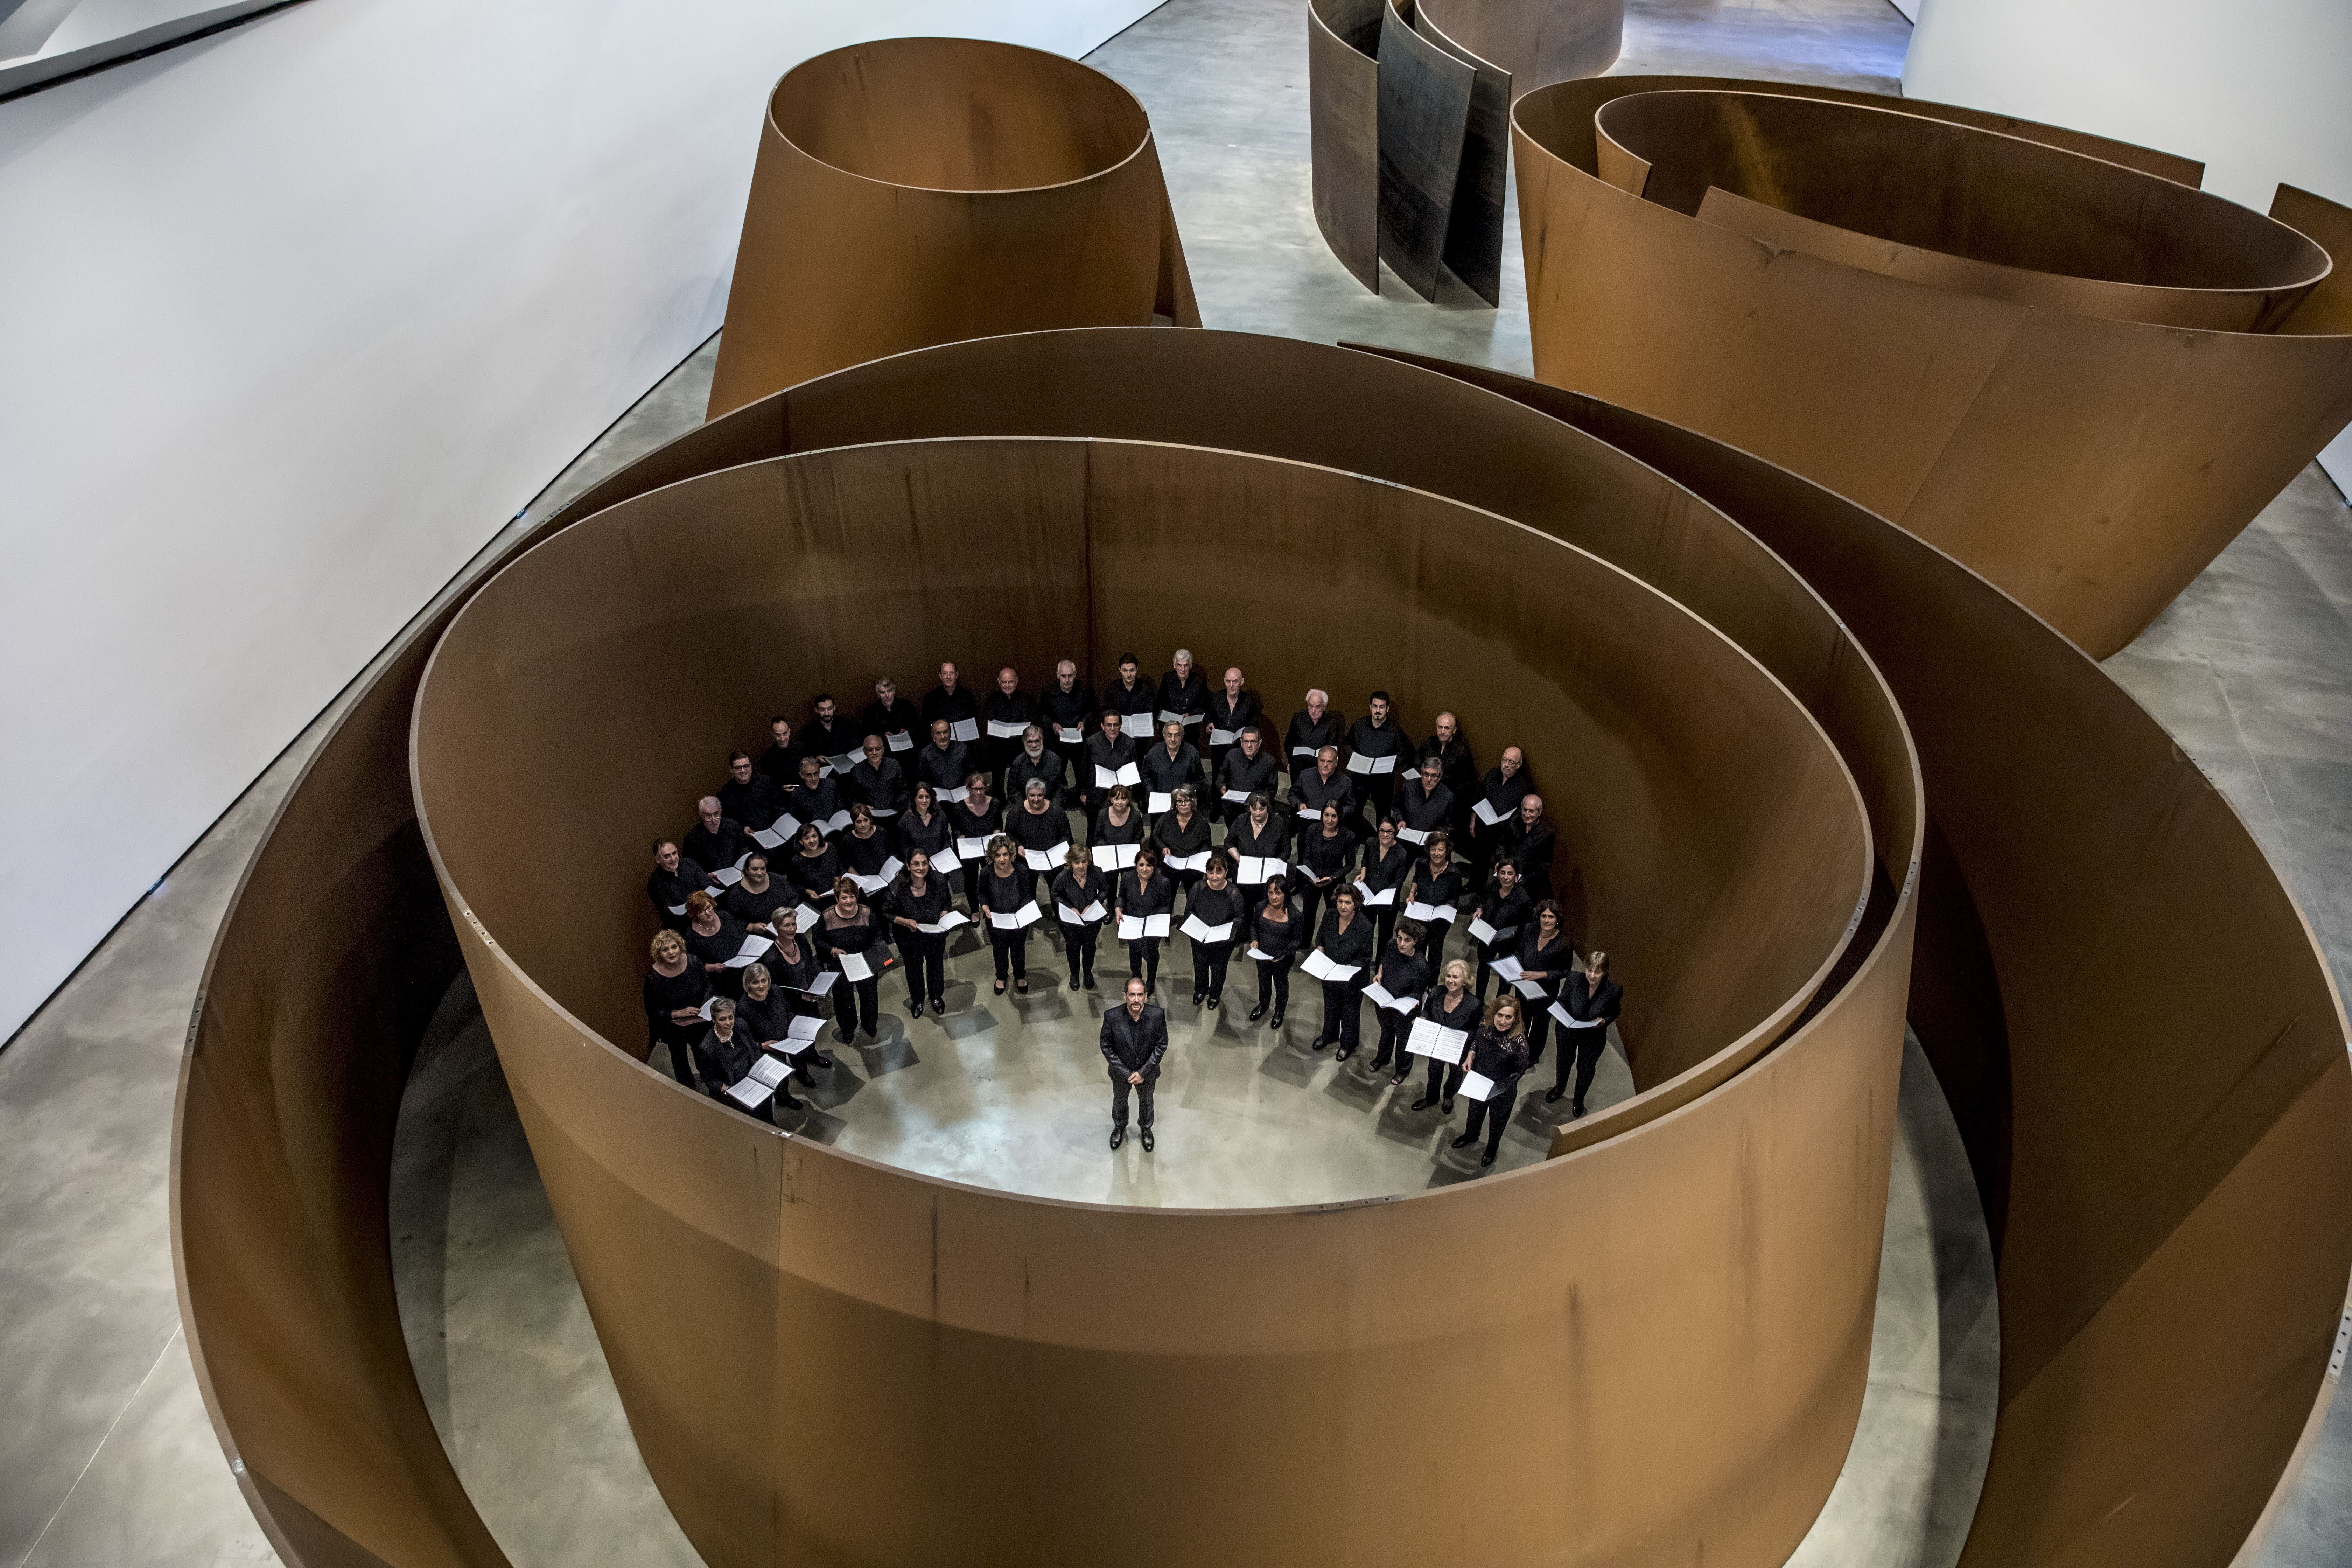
<point>1424,805</point>
<point>717,841</point>
<point>866,847</point>
<point>1007,887</point>
<point>919,899</point>
<point>1452,1006</point>
<point>1346,937</point>
<point>1118,825</point>
<point>1321,785</point>
<point>1505,785</point>
<point>1183,830</point>
<point>1312,728</point>
<point>1216,902</point>
<point>830,735</point>
<point>1544,956</point>
<point>1131,697</point>
<point>878,780</point>
<point>951,699</point>
<point>1145,891</point>
<point>814,866</point>
<point>1386,862</point>
<point>1183,692</point>
<point>1248,769</point>
<point>1134,1038</point>
<point>1108,749</point>
<point>1037,824</point>
<point>976,816</point>
<point>925,826</point>
<point>944,763</point>
<point>1234,709</point>
<point>747,796</point>
<point>712,937</point>
<point>1068,708</point>
<point>779,764</point>
<point>1527,841</point>
<point>848,925</point>
<point>797,966</point>
<point>1326,853</point>
<point>672,878</point>
<point>752,899</point>
<point>1505,907</point>
<point>1457,770</point>
<point>898,722</point>
<point>1006,705</point>
<point>1594,998</point>
<point>1081,887</point>
<point>1403,974</point>
<point>1277,931</point>
<point>1258,834</point>
<point>1437,882</point>
<point>1379,735</point>
<point>764,1017</point>
<point>1036,760</point>
<point>816,799</point>
<point>725,1054</point>
<point>1171,762</point>
<point>674,990</point>
<point>1499,1048</point>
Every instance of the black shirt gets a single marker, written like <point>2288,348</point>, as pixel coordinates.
<point>941,703</point>
<point>1280,939</point>
<point>1102,752</point>
<point>727,1061</point>
<point>1551,958</point>
<point>1185,698</point>
<point>819,805</point>
<point>753,909</point>
<point>753,802</point>
<point>1584,1001</point>
<point>1528,848</point>
<point>1138,898</point>
<point>1424,813</point>
<point>1073,709</point>
<point>1046,766</point>
<point>1403,976</point>
<point>724,847</point>
<point>867,855</point>
<point>764,1021</point>
<point>690,987</point>
<point>1387,870</point>
<point>718,947</point>
<point>1500,1057</point>
<point>1236,715</point>
<point>781,765</point>
<point>1353,945</point>
<point>1178,840</point>
<point>1460,770</point>
<point>669,891</point>
<point>826,741</point>
<point>1068,891</point>
<point>944,768</point>
<point>1214,906</point>
<point>1506,912</point>
<point>1105,831</point>
<point>1046,829</point>
<point>1444,889</point>
<point>899,717</point>
<point>1505,794</point>
<point>883,788</point>
<point>1128,702</point>
<point>1370,739</point>
<point>971,824</point>
<point>1311,735</point>
<point>1324,857</point>
<point>1312,789</point>
<point>797,975</point>
<point>813,878</point>
<point>1251,776</point>
<point>1162,772</point>
<point>924,907</point>
<point>931,837</point>
<point>1007,709</point>
<point>1272,842</point>
<point>1464,1014</point>
<point>859,933</point>
<point>1006,895</point>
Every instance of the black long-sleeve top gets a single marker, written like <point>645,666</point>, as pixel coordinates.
<point>931,837</point>
<point>727,1061</point>
<point>1046,829</point>
<point>1177,838</point>
<point>1380,871</point>
<point>1501,1057</point>
<point>1528,848</point>
<point>1215,906</point>
<point>690,987</point>
<point>799,972</point>
<point>1311,735</point>
<point>859,932</point>
<point>753,802</point>
<point>944,767</point>
<point>781,765</point>
<point>1186,696</point>
<point>1462,1015</point>
<point>1272,841</point>
<point>1006,895</point>
<point>1353,945</point>
<point>818,805</point>
<point>1325,857</point>
<point>765,1020</point>
<point>924,907</point>
<point>1070,892</point>
<point>1422,812</point>
<point>975,824</point>
<point>1444,889</point>
<point>814,876</point>
<point>669,891</point>
<point>1013,708</point>
<point>826,741</point>
<point>1102,752</point>
<point>867,855</point>
<point>1047,767</point>
<point>1312,789</point>
<point>1251,776</point>
<point>1550,959</point>
<point>1282,938</point>
<point>718,947</point>
<point>1128,702</point>
<point>1074,708</point>
<point>900,717</point>
<point>1163,773</point>
<point>724,847</point>
<point>1367,738</point>
<point>1136,896</point>
<point>941,703</point>
<point>1504,795</point>
<point>754,908</point>
<point>1104,830</point>
<point>884,788</point>
<point>1506,912</point>
<point>1403,975</point>
<point>1461,769</point>
<point>1583,1000</point>
<point>1236,715</point>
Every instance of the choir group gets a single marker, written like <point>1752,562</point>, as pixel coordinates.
<point>835,854</point>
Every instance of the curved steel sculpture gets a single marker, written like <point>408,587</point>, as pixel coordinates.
<point>2076,375</point>
<point>2137,1152</point>
<point>915,190</point>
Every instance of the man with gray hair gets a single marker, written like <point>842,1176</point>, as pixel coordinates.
<point>1312,728</point>
<point>1183,693</point>
<point>717,841</point>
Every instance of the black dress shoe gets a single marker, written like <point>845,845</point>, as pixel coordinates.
<point>1118,1136</point>
<point>821,1058</point>
<point>1343,1053</point>
<point>1074,983</point>
<point>1197,997</point>
<point>1424,1103</point>
<point>1320,1042</point>
<point>914,1009</point>
<point>1464,1141</point>
<point>1275,1022</point>
<point>1090,979</point>
<point>1212,1004</point>
<point>1551,1096</point>
<point>1379,1061</point>
<point>845,1034</point>
<point>789,1103</point>
<point>1257,1011</point>
<point>1488,1158</point>
<point>1148,1144</point>
<point>869,1032</point>
<point>1447,1108</point>
<point>1576,1110</point>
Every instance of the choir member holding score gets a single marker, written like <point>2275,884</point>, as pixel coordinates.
<point>828,735</point>
<point>779,764</point>
<point>1217,907</point>
<point>1425,805</point>
<point>1067,709</point>
<point>1404,972</point>
<point>1457,769</point>
<point>714,938</point>
<point>1082,896</point>
<point>925,829</point>
<point>1324,785</point>
<point>748,796</point>
<point>1117,830</point>
<point>950,700</point>
<point>1453,1005</point>
<point>1038,829</point>
<point>1259,841</point>
<point>673,878</point>
<point>1496,801</point>
<point>814,866</point>
<point>816,799</point>
<point>1171,764</point>
<point>798,968</point>
<point>1312,728</point>
<point>1276,933</point>
<point>1182,832</point>
<point>1593,1000</point>
<point>1541,961</point>
<point>877,780</point>
<point>751,898</point>
<point>1381,876</point>
<point>849,931</point>
<point>1498,1053</point>
<point>944,763</point>
<point>765,1018</point>
<point>1233,710</point>
<point>866,849</point>
<point>1377,750</point>
<point>920,898</point>
<point>1248,769</point>
<point>1326,857</point>
<point>1003,716</point>
<point>1132,698</point>
<point>1036,760</point>
<point>898,722</point>
<point>725,1054</point>
<point>1008,898</point>
<point>1345,944</point>
<point>1110,760</point>
<point>1504,907</point>
<point>1183,693</point>
<point>1437,886</point>
<point>976,819</point>
<point>674,990</point>
<point>1147,909</point>
<point>1527,841</point>
<point>717,841</point>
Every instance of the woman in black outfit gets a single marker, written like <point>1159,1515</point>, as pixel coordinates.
<point>1438,882</point>
<point>1145,891</point>
<point>1182,829</point>
<point>764,1017</point>
<point>1278,932</point>
<point>1215,902</point>
<point>725,1054</point>
<point>674,990</point>
<point>1007,887</point>
<point>752,899</point>
<point>1081,885</point>
<point>919,899</point>
<point>976,816</point>
<point>1325,855</point>
<point>1258,833</point>
<point>924,825</point>
<point>1345,938</point>
<point>1404,972</point>
<point>1452,1006</point>
<point>1499,1050</point>
<point>848,926</point>
<point>1387,858</point>
<point>713,937</point>
<point>795,965</point>
<point>1505,907</point>
<point>1591,996</point>
<point>1118,823</point>
<point>814,866</point>
<point>865,849</point>
<point>1036,823</point>
<point>1544,957</point>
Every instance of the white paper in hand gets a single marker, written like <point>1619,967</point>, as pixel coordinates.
<point>899,740</point>
<point>1568,1020</point>
<point>769,1073</point>
<point>944,862</point>
<point>1425,913</point>
<point>1157,801</point>
<point>1383,997</point>
<point>1383,900</point>
<point>751,1094</point>
<point>1486,813</point>
<point>1196,861</point>
<point>1508,968</point>
<point>1477,1085</point>
<point>1115,857</point>
<point>1006,729</point>
<point>1200,930</point>
<point>974,849</point>
<point>1086,916</point>
<point>1412,835</point>
<point>1319,964</point>
<point>964,730</point>
<point>1047,859</point>
<point>946,922</point>
<point>1068,735</point>
<point>820,985</point>
<point>1254,870</point>
<point>1132,927</point>
<point>1221,737</point>
<point>1433,1039</point>
<point>854,966</point>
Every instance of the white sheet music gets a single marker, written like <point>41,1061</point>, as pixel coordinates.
<point>1361,765</point>
<point>951,795</point>
<point>1132,927</point>
<point>726,876</point>
<point>1530,989</point>
<point>1320,966</point>
<point>705,1009</point>
<point>753,946</point>
<point>1486,813</point>
<point>1385,898</point>
<point>1200,931</point>
<point>677,909</point>
<point>1261,955</point>
<point>846,760</point>
<point>1158,801</point>
<point>1412,835</point>
<point>946,922</point>
<point>1425,913</point>
<point>1086,916</point>
<point>769,1073</point>
<point>1128,774</point>
<point>944,862</point>
<point>1570,1022</point>
<point>1196,861</point>
<point>1047,859</point>
<point>1306,751</point>
<point>1310,813</point>
<point>1477,1085</point>
<point>801,1033</point>
<point>975,850</point>
<point>1068,735</point>
<point>1187,720</point>
<point>1434,1039</point>
<point>806,917</point>
<point>882,878</point>
<point>855,966</point>
<point>1223,737</point>
<point>1115,857</point>
<point>1383,997</point>
<point>1238,796</point>
<point>964,730</point>
<point>899,740</point>
<point>838,823</point>
<point>751,1094</point>
<point>1006,729</point>
<point>1508,968</point>
<point>882,813</point>
<point>1252,870</point>
<point>1021,918</point>
<point>818,986</point>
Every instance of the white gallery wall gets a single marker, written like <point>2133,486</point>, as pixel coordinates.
<point>292,318</point>
<point>2259,90</point>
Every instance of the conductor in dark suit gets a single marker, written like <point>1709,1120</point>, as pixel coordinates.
<point>1134,1038</point>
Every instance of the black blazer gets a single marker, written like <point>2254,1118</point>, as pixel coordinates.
<point>667,891</point>
<point>1465,1015</point>
<point>1353,945</point>
<point>1102,752</point>
<point>724,1062</point>
<point>1584,1001</point>
<point>1135,1045</point>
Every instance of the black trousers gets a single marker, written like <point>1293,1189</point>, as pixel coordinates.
<point>926,956</point>
<point>1078,947</point>
<point>1209,961</point>
<point>1384,919</point>
<point>1184,881</point>
<point>1497,1113</point>
<point>1011,945</point>
<point>1443,1078</point>
<point>1538,1026</point>
<point>1143,958</point>
<point>1582,1046</point>
<point>1342,1002</point>
<point>1310,900</point>
<point>681,1059</point>
<point>1276,974</point>
<point>1394,1027</point>
<point>857,1003</point>
<point>1119,1088</point>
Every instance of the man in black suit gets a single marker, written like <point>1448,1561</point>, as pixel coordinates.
<point>1134,1038</point>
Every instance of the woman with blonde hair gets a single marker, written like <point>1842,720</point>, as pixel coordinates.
<point>1498,1052</point>
<point>1452,1005</point>
<point>674,990</point>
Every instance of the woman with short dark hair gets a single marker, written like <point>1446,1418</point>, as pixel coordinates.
<point>848,928</point>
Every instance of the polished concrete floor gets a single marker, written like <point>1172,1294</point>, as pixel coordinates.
<point>106,1457</point>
